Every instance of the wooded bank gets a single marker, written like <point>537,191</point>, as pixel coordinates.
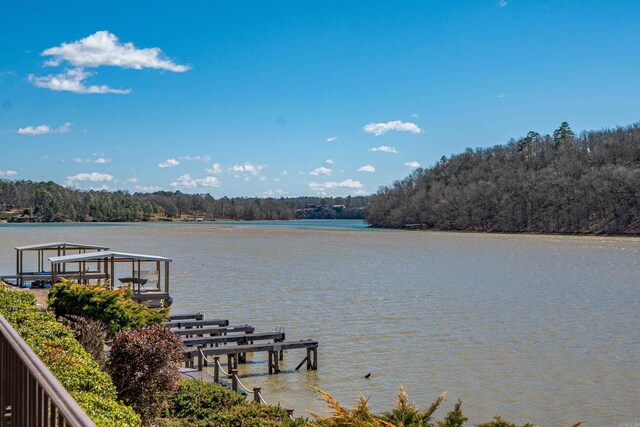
<point>560,183</point>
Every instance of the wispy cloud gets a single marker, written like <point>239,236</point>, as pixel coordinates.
<point>198,157</point>
<point>133,180</point>
<point>413,165</point>
<point>44,129</point>
<point>415,116</point>
<point>104,48</point>
<point>185,181</point>
<point>320,171</point>
<point>8,173</point>
<point>169,163</point>
<point>367,168</point>
<point>381,128</point>
<point>216,169</point>
<point>385,149</point>
<point>322,186</point>
<point>99,160</point>
<point>88,177</point>
<point>72,81</point>
<point>273,193</point>
<point>332,139</point>
<point>148,188</point>
<point>502,3</point>
<point>329,161</point>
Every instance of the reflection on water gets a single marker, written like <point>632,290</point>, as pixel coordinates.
<point>538,329</point>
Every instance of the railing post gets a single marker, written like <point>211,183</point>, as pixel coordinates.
<point>200,358</point>
<point>256,394</point>
<point>233,376</point>
<point>216,369</point>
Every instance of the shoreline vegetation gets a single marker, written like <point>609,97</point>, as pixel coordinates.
<point>564,184</point>
<point>543,184</point>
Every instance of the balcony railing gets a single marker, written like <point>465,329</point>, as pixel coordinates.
<point>29,393</point>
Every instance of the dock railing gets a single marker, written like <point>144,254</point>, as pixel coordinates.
<point>29,393</point>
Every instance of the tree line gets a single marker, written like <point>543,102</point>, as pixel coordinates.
<point>560,183</point>
<point>50,202</point>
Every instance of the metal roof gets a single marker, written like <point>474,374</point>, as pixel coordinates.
<point>59,245</point>
<point>106,254</point>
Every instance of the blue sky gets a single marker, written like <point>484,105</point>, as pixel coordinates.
<point>297,98</point>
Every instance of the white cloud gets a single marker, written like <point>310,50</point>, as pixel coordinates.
<point>198,157</point>
<point>44,129</point>
<point>502,3</point>
<point>381,128</point>
<point>91,177</point>
<point>8,173</point>
<point>34,130</point>
<point>133,180</point>
<point>502,95</point>
<point>329,161</point>
<point>216,169</point>
<point>413,165</point>
<point>148,189</point>
<point>385,149</point>
<point>99,160</point>
<point>415,116</point>
<point>332,139</point>
<point>104,48</point>
<point>185,181</point>
<point>320,171</point>
<point>247,168</point>
<point>367,168</point>
<point>321,186</point>
<point>169,163</point>
<point>284,172</point>
<point>72,81</point>
<point>273,193</point>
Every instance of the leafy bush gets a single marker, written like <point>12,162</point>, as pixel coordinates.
<point>144,365</point>
<point>76,370</point>
<point>114,308</point>
<point>201,404</point>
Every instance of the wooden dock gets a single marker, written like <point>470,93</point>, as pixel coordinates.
<point>201,332</point>
<point>185,324</point>
<point>241,339</point>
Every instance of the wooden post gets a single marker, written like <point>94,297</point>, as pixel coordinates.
<point>233,376</point>
<point>270,362</point>
<point>276,362</point>
<point>200,361</point>
<point>308,359</point>
<point>216,369</point>
<point>289,412</point>
<point>315,359</point>
<point>256,394</point>
<point>235,361</point>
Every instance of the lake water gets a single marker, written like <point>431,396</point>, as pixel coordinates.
<point>541,329</point>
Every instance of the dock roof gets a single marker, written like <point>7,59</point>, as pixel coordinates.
<point>90,256</point>
<point>60,245</point>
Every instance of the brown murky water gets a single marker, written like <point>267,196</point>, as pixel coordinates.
<point>540,329</point>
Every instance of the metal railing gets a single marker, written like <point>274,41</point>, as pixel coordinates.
<point>29,393</point>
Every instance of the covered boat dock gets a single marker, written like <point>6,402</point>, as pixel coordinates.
<point>32,269</point>
<point>146,275</point>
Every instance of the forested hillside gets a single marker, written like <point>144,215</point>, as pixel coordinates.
<point>560,183</point>
<point>28,201</point>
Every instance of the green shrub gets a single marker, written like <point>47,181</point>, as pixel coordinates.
<point>76,370</point>
<point>201,404</point>
<point>114,308</point>
<point>144,365</point>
